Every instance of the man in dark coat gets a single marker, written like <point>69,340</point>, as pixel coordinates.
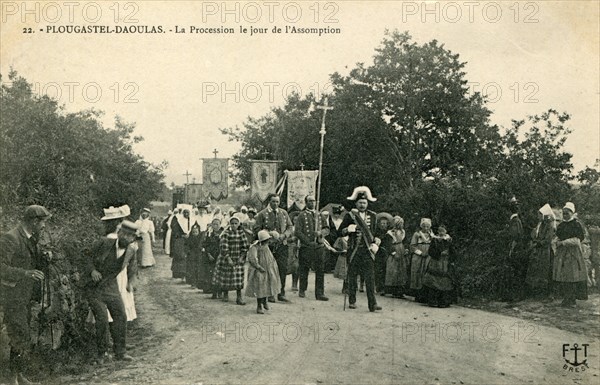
<point>359,224</point>
<point>107,257</point>
<point>335,231</point>
<point>21,274</point>
<point>277,221</point>
<point>312,250</point>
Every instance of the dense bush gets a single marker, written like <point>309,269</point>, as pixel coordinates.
<point>407,126</point>
<point>74,166</point>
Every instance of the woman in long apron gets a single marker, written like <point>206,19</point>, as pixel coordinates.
<point>419,247</point>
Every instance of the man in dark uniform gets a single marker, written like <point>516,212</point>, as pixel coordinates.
<point>106,260</point>
<point>21,272</point>
<point>335,231</point>
<point>312,250</point>
<point>277,221</point>
<point>359,224</point>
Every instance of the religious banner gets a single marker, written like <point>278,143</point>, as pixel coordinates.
<point>264,177</point>
<point>215,178</point>
<point>301,184</point>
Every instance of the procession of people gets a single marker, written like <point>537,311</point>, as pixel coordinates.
<point>252,253</point>
<point>364,248</point>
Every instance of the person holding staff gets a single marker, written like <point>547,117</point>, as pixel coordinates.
<point>359,224</point>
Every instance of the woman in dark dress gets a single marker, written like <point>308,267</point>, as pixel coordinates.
<point>437,282</point>
<point>193,250</point>
<point>180,230</point>
<point>569,269</point>
<point>209,258</point>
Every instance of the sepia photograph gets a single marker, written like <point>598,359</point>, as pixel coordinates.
<point>299,192</point>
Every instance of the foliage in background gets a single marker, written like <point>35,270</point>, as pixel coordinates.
<point>407,126</point>
<point>74,166</point>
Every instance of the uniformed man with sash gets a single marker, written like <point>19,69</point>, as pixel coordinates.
<point>311,231</point>
<point>359,224</point>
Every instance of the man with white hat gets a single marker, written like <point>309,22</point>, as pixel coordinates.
<point>106,259</point>
<point>359,224</point>
<point>21,273</point>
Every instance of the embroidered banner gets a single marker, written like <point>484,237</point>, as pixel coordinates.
<point>264,177</point>
<point>215,178</point>
<point>301,184</point>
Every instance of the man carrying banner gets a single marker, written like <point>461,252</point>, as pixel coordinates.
<point>359,224</point>
<point>312,250</point>
<point>277,221</point>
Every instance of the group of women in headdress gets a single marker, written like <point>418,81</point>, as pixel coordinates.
<point>556,260</point>
<point>212,257</point>
<point>424,269</point>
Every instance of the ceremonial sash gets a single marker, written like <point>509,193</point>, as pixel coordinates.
<point>366,234</point>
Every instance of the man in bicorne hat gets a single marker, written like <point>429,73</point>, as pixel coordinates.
<point>21,272</point>
<point>106,259</point>
<point>359,224</point>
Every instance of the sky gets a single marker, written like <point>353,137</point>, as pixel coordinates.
<point>180,88</point>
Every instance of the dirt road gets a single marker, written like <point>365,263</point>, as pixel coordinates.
<point>183,337</point>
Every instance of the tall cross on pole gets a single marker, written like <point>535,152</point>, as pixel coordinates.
<point>325,107</point>
<point>187,177</point>
<point>187,181</point>
<point>215,152</point>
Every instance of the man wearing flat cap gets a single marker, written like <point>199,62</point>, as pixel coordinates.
<point>359,224</point>
<point>21,275</point>
<point>106,259</point>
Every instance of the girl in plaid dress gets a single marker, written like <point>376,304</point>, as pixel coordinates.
<point>229,271</point>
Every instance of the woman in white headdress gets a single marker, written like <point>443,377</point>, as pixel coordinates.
<point>146,231</point>
<point>569,269</point>
<point>397,261</point>
<point>166,227</point>
<point>181,226</point>
<point>419,247</point>
<point>539,270</point>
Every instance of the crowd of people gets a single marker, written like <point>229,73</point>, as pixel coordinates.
<point>256,251</point>
<point>559,259</point>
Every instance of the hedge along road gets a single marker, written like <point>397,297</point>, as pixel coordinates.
<point>183,337</point>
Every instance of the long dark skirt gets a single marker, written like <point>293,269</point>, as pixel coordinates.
<point>205,273</point>
<point>178,265</point>
<point>193,268</point>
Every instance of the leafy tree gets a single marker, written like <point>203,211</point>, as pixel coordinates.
<point>67,160</point>
<point>407,126</point>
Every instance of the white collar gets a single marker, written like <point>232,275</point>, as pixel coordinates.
<point>514,216</point>
<point>27,233</point>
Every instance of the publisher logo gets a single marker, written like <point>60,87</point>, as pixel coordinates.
<point>575,357</point>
